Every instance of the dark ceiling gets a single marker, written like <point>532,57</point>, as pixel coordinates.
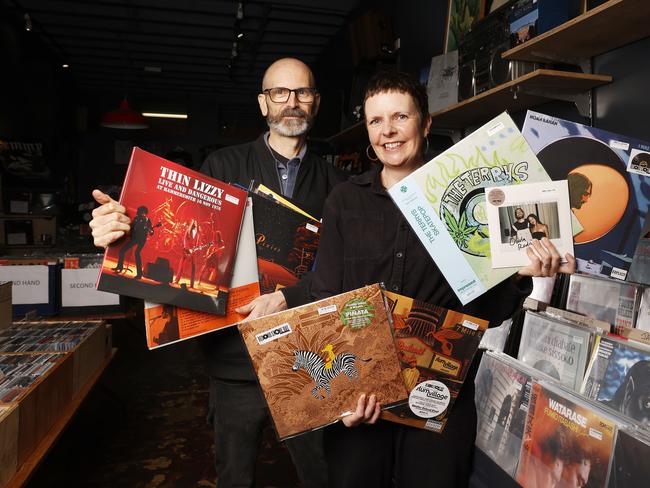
<point>166,46</point>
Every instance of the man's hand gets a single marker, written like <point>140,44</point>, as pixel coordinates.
<point>263,305</point>
<point>109,221</point>
<point>546,261</point>
<point>367,412</point>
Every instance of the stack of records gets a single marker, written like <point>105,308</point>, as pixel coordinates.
<point>568,441</point>
<point>558,348</point>
<point>603,299</point>
<point>436,348</point>
<point>630,467</point>
<point>619,377</point>
<point>20,371</point>
<point>35,337</point>
<point>502,395</point>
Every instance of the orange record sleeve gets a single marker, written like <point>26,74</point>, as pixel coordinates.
<point>565,440</point>
<point>314,361</point>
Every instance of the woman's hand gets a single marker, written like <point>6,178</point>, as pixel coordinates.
<point>109,221</point>
<point>263,305</point>
<point>367,412</point>
<point>546,261</point>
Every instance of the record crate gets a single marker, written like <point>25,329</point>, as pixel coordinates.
<point>8,442</point>
<point>87,356</point>
<point>41,404</point>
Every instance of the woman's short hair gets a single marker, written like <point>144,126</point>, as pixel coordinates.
<point>398,81</point>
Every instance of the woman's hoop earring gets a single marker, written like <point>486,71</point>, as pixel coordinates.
<point>426,146</point>
<point>368,154</point>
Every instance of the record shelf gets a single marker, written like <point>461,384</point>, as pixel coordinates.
<point>601,29</point>
<point>542,85</point>
<point>28,467</point>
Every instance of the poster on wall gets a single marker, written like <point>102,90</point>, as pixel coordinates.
<point>461,16</point>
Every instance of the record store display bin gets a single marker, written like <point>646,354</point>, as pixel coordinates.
<point>575,374</point>
<point>47,369</point>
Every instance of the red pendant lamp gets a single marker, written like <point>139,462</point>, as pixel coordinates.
<point>124,118</point>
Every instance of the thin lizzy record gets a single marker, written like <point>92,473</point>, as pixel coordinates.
<point>314,361</point>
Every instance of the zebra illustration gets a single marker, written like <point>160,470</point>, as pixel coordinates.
<point>314,365</point>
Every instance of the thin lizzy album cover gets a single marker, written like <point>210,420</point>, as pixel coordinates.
<point>183,241</point>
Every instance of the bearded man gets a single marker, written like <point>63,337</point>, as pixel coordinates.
<point>281,160</point>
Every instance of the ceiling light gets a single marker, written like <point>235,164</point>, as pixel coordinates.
<point>65,66</point>
<point>28,23</point>
<point>234,52</point>
<point>124,118</point>
<point>240,35</point>
<point>240,10</point>
<point>153,69</point>
<point>164,115</point>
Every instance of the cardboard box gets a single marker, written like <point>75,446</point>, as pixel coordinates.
<point>88,355</point>
<point>8,442</point>
<point>42,404</point>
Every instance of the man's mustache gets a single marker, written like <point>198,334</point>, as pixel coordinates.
<point>293,112</point>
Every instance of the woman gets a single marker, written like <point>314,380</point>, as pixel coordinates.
<point>537,229</point>
<point>365,239</point>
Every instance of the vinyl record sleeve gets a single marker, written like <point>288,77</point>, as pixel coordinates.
<point>313,361</point>
<point>598,165</point>
<point>502,396</point>
<point>619,377</point>
<point>562,435</point>
<point>630,467</point>
<point>167,324</point>
<point>609,300</point>
<point>184,225</point>
<point>444,202</point>
<point>286,242</point>
<point>556,348</point>
<point>434,344</point>
<point>546,204</point>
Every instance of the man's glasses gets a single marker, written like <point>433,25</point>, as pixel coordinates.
<point>281,94</point>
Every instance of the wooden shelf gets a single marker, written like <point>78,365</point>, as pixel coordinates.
<point>27,468</point>
<point>529,90</point>
<point>599,30</point>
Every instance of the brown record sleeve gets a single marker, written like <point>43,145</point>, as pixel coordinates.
<point>313,362</point>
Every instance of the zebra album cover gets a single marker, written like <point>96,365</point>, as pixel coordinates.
<point>313,362</point>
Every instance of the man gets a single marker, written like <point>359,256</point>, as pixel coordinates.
<point>142,229</point>
<point>280,160</point>
<point>191,245</point>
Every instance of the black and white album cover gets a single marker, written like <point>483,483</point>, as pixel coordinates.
<point>556,348</point>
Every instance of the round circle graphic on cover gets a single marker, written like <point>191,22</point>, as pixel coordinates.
<point>642,161</point>
<point>467,222</point>
<point>429,399</point>
<point>590,167</point>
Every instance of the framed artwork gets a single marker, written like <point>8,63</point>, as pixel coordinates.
<point>461,16</point>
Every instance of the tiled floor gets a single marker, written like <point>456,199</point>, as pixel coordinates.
<point>143,426</point>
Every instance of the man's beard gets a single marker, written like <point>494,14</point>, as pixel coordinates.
<point>291,127</point>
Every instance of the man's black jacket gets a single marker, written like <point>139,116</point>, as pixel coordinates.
<point>240,164</point>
